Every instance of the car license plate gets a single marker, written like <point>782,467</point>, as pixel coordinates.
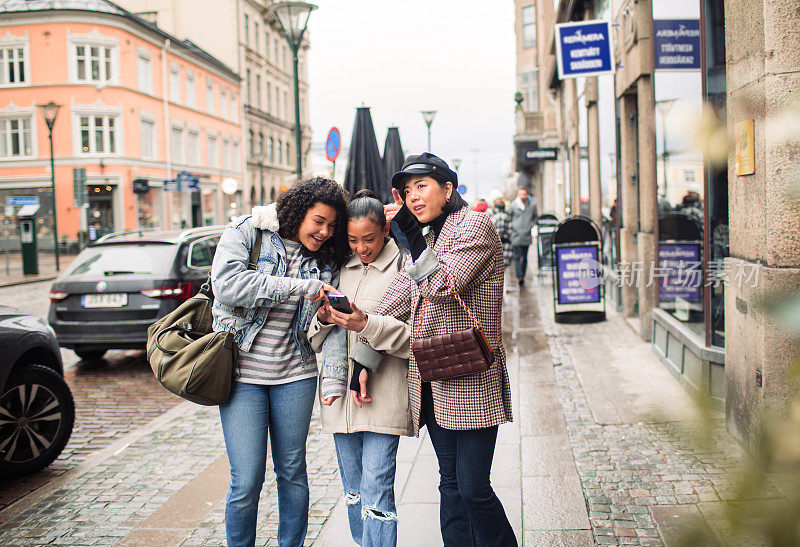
<point>110,300</point>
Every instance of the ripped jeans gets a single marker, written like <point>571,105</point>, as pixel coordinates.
<point>367,464</point>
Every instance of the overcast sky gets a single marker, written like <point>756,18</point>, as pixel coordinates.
<point>453,56</point>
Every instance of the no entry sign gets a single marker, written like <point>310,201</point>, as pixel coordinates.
<point>333,144</point>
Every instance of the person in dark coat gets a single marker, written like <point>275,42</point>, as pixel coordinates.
<point>523,215</point>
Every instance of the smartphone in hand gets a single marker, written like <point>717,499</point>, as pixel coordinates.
<point>339,302</point>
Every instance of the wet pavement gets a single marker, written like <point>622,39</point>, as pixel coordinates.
<point>601,452</point>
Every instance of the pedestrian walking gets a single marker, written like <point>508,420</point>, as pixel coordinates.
<point>523,217</point>
<point>453,249</point>
<point>367,425</point>
<point>502,223</point>
<point>269,309</point>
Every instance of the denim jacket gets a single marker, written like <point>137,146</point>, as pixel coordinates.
<point>243,298</point>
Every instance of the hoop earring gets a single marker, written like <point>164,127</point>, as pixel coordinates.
<point>447,200</point>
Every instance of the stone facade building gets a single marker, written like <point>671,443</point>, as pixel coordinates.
<point>738,214</point>
<point>246,37</point>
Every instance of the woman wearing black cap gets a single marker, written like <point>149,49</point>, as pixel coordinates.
<point>453,249</point>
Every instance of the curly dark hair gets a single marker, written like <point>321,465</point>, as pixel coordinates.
<point>294,203</point>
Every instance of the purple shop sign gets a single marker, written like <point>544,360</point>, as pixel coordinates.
<point>677,44</point>
<point>679,272</point>
<point>578,274</point>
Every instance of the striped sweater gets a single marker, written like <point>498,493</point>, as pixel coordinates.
<point>274,357</point>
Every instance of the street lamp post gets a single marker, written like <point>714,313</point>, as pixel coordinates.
<point>49,112</point>
<point>428,116</point>
<point>293,18</point>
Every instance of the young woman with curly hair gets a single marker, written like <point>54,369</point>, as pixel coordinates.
<point>269,310</point>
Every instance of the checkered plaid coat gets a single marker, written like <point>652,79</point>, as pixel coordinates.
<point>502,221</point>
<point>470,258</point>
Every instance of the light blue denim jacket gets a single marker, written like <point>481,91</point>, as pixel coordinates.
<point>256,291</point>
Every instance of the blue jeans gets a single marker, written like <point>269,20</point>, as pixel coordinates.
<point>469,511</point>
<point>283,412</point>
<point>520,260</point>
<point>367,465</point>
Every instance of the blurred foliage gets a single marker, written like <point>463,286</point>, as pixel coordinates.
<point>765,509</point>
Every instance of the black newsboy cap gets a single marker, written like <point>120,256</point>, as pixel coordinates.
<point>424,164</point>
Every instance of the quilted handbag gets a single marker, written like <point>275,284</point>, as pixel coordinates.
<point>454,354</point>
<point>187,356</point>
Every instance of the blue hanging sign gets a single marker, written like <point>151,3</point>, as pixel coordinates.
<point>584,49</point>
<point>21,201</point>
<point>677,44</point>
<point>578,274</point>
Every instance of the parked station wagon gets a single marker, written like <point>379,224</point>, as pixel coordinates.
<point>117,287</point>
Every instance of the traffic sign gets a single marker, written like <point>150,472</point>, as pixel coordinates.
<point>333,144</point>
<point>462,189</point>
<point>171,185</point>
<point>584,49</point>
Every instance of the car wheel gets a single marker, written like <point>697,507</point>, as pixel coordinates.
<point>36,418</point>
<point>90,354</point>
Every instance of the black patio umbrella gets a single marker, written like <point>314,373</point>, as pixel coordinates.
<point>393,156</point>
<point>364,164</point>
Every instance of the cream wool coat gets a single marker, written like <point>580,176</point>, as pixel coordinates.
<point>389,412</point>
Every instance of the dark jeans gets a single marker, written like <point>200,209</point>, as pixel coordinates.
<point>520,260</point>
<point>469,511</point>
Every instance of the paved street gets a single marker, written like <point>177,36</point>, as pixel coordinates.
<point>600,452</point>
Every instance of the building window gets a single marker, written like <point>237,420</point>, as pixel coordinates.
<point>280,152</point>
<point>256,33</point>
<point>529,87</point>
<point>236,163</point>
<point>176,137</point>
<point>174,84</point>
<point>93,63</point>
<point>246,29</point>
<point>286,105</point>
<point>144,73</point>
<point>248,96</point>
<point>261,144</point>
<point>15,137</point>
<point>234,108</point>
<point>212,154</point>
<point>269,97</point>
<point>226,154</point>
<point>210,97</point>
<point>193,147</point>
<point>288,152</point>
<point>258,91</point>
<point>190,94</point>
<point>98,135</point>
<point>12,66</point>
<point>271,150</point>
<point>266,45</point>
<point>223,102</point>
<point>285,58</point>
<point>529,26</point>
<point>147,139</point>
<point>689,175</point>
<point>250,144</point>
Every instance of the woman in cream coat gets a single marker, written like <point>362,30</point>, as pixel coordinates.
<point>367,425</point>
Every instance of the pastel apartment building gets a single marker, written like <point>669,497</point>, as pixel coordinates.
<point>138,107</point>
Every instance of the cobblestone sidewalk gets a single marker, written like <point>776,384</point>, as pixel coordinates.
<point>629,469</point>
<point>105,503</point>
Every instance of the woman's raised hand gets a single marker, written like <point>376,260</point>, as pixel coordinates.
<point>391,210</point>
<point>321,293</point>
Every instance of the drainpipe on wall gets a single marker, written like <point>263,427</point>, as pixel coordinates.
<point>167,143</point>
